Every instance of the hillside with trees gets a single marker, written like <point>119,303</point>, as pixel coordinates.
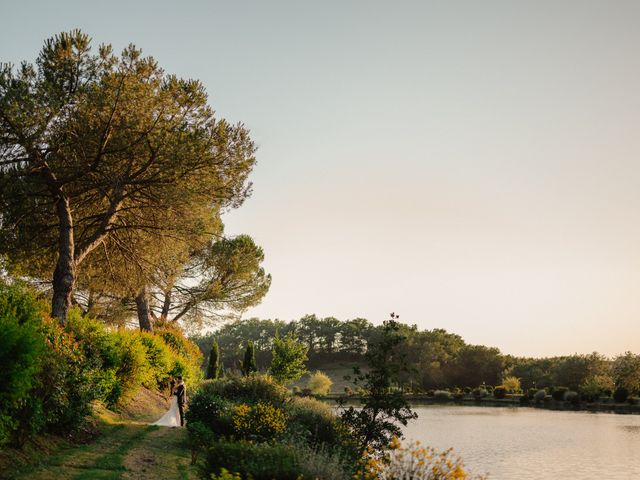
<point>438,359</point>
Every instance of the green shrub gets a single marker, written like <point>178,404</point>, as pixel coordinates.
<point>531,392</point>
<point>442,395</point>
<point>319,383</point>
<point>539,396</point>
<point>479,393</point>
<point>264,461</point>
<point>199,438</point>
<point>499,392</point>
<point>288,360</point>
<point>572,397</point>
<point>596,386</point>
<point>102,355</point>
<point>260,461</point>
<point>66,384</point>
<point>324,464</point>
<point>249,389</point>
<point>109,388</point>
<point>46,380</point>
<point>22,344</point>
<point>207,407</point>
<point>315,421</point>
<point>558,393</point>
<point>620,395</point>
<point>97,342</point>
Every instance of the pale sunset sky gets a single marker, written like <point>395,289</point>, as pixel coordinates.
<point>473,166</point>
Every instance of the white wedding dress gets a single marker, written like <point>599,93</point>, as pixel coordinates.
<point>172,417</point>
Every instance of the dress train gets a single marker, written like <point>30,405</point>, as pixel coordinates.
<point>172,417</point>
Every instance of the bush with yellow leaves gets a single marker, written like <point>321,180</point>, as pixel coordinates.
<point>413,462</point>
<point>226,475</point>
<point>261,421</point>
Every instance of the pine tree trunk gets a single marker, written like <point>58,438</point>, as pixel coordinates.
<point>64,276</point>
<point>142,306</point>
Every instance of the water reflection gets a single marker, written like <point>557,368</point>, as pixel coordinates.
<point>635,429</point>
<point>525,443</point>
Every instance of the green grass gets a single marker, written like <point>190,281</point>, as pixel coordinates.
<point>127,450</point>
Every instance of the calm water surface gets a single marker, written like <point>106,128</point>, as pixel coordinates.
<point>526,443</point>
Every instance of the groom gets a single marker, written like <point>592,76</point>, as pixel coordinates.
<point>181,393</point>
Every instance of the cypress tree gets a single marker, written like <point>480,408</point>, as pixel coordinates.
<point>213,369</point>
<point>249,365</point>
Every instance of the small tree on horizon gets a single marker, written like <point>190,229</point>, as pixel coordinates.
<point>214,367</point>
<point>249,364</point>
<point>383,408</point>
<point>289,359</point>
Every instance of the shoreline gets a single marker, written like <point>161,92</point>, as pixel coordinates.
<point>600,407</point>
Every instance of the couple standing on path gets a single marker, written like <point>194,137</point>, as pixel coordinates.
<point>175,415</point>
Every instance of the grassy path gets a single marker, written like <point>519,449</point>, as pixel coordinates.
<point>127,451</point>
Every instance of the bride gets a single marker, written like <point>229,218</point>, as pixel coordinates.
<point>172,417</point>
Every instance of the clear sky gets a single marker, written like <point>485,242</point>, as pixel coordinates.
<point>473,166</point>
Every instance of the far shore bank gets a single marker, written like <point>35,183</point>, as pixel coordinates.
<point>512,401</point>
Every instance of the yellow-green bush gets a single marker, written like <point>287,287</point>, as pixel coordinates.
<point>413,461</point>
<point>319,383</point>
<point>123,360</point>
<point>160,357</point>
<point>316,421</point>
<point>512,384</point>
<point>226,475</point>
<point>133,367</point>
<point>188,357</point>
<point>261,421</point>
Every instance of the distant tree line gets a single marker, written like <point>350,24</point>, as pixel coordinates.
<point>438,359</point>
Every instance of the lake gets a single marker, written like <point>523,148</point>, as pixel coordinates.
<point>514,443</point>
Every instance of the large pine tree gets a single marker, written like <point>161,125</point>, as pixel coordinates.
<point>100,150</point>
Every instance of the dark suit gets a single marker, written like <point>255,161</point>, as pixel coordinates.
<point>181,393</point>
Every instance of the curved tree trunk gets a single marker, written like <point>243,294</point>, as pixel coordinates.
<point>142,306</point>
<point>64,276</point>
